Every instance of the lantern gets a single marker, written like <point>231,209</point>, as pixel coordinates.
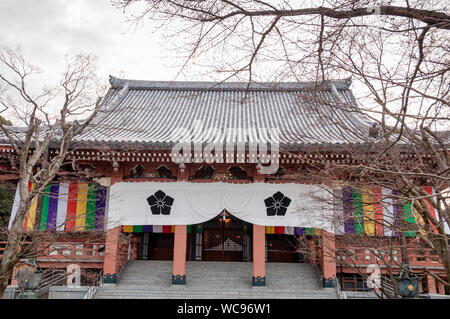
<point>407,284</point>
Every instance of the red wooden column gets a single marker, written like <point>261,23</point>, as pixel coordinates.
<point>111,261</point>
<point>441,288</point>
<point>14,282</point>
<point>431,283</point>
<point>328,259</point>
<point>179,255</point>
<point>259,255</point>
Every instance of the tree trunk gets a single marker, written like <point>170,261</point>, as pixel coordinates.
<point>11,255</point>
<point>9,259</point>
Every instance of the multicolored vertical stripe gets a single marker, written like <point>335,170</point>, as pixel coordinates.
<point>377,211</point>
<point>288,230</point>
<point>80,220</point>
<point>161,229</point>
<point>377,199</point>
<point>431,209</point>
<point>362,210</point>
<point>67,207</point>
<point>167,229</point>
<point>30,220</point>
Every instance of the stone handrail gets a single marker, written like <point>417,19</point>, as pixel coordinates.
<point>93,289</point>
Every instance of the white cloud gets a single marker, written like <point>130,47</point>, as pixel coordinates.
<point>47,30</point>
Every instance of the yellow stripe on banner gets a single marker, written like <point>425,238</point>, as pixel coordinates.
<point>81,206</point>
<point>173,229</point>
<point>317,231</point>
<point>32,213</point>
<point>270,229</point>
<point>128,229</point>
<point>419,221</point>
<point>369,211</point>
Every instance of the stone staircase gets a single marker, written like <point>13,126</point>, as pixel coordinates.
<point>215,280</point>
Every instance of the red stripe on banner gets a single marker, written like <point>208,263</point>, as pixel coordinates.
<point>279,230</point>
<point>378,209</point>
<point>431,209</point>
<point>167,229</point>
<point>72,206</point>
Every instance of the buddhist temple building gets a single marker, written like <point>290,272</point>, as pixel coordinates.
<point>227,172</point>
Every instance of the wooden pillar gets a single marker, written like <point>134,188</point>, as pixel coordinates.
<point>328,259</point>
<point>14,282</point>
<point>440,288</point>
<point>112,258</point>
<point>259,255</point>
<point>179,255</point>
<point>111,261</point>
<point>431,283</point>
<point>134,244</point>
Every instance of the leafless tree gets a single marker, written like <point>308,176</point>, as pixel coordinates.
<point>396,53</point>
<point>47,119</point>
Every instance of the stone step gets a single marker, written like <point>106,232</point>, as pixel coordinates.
<point>210,293</point>
<point>224,296</point>
<point>215,297</point>
<point>244,283</point>
<point>221,280</point>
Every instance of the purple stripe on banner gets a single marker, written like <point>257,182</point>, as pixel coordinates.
<point>100,207</point>
<point>147,229</point>
<point>52,206</point>
<point>296,230</point>
<point>301,230</point>
<point>396,219</point>
<point>349,222</point>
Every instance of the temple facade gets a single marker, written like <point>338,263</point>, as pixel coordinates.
<point>199,171</point>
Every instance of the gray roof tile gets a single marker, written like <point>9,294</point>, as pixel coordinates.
<point>151,112</point>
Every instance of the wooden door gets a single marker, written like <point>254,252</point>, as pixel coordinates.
<point>160,246</point>
<point>222,245</point>
<point>282,248</point>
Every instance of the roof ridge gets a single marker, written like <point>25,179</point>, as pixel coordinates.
<point>117,83</point>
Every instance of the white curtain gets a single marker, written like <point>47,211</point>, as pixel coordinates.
<point>193,203</point>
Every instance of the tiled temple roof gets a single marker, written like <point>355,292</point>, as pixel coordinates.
<point>153,114</point>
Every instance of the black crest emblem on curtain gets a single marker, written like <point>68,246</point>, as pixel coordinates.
<point>277,204</point>
<point>160,203</point>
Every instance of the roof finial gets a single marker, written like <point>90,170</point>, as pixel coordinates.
<point>115,82</point>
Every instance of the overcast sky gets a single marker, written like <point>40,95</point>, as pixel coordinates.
<point>47,30</point>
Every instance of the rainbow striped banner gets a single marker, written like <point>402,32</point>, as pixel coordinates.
<point>161,229</point>
<point>431,209</point>
<point>375,211</point>
<point>284,230</point>
<point>30,220</point>
<point>289,230</point>
<point>365,210</point>
<point>66,207</point>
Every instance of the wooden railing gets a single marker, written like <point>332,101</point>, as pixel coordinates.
<point>53,277</point>
<point>74,251</point>
<point>417,257</point>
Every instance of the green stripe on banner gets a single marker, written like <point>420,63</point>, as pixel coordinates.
<point>199,228</point>
<point>91,206</point>
<point>409,217</point>
<point>309,231</point>
<point>44,211</point>
<point>358,211</point>
<point>189,229</point>
<point>138,229</point>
